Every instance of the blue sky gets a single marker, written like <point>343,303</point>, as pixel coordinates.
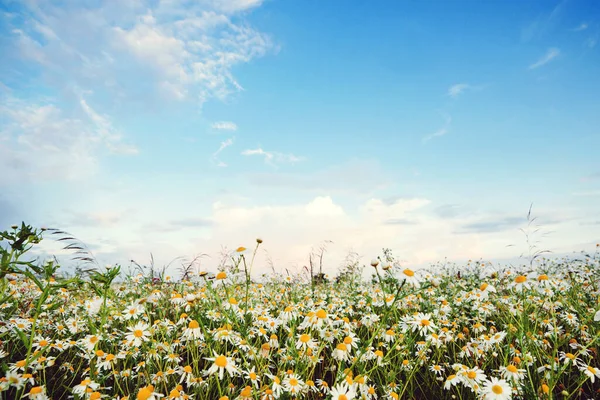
<point>178,127</point>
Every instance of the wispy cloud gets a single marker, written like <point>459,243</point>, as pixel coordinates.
<point>455,90</point>
<point>591,177</point>
<point>550,55</point>
<point>181,50</point>
<point>225,144</point>
<point>440,132</point>
<point>544,23</point>
<point>271,157</point>
<point>582,27</point>
<point>224,126</point>
<point>50,143</point>
<point>591,193</point>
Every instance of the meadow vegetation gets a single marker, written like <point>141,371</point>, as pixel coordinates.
<point>476,331</point>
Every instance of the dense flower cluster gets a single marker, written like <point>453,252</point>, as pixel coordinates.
<point>484,333</point>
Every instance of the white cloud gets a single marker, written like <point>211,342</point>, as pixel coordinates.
<point>440,132</point>
<point>224,126</point>
<point>181,49</point>
<point>271,156</point>
<point>353,177</point>
<point>455,90</point>
<point>225,144</point>
<point>42,142</point>
<point>582,27</point>
<point>550,55</point>
<point>106,132</point>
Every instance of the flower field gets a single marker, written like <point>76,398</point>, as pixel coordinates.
<point>476,331</point>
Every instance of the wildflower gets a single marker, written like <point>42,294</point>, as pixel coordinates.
<point>568,357</point>
<point>422,323</point>
<point>341,352</point>
<point>138,334</point>
<point>342,392</point>
<point>90,341</point>
<point>133,312</point>
<point>148,393</point>
<point>520,283</point>
<point>436,369</point>
<point>221,364</point>
<point>37,393</point>
<point>84,386</point>
<point>389,336</point>
<point>591,372</point>
<point>41,342</point>
<point>193,331</point>
<point>108,362</point>
<point>496,389</point>
<point>246,393</point>
<point>276,387</point>
<point>410,277</point>
<point>293,384</point>
<point>472,377</point>
<point>253,377</point>
<point>512,373</point>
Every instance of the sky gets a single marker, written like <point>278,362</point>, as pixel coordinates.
<point>181,128</point>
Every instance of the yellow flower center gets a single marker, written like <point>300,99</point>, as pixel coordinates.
<point>36,390</point>
<point>512,368</point>
<point>497,389</point>
<point>483,286</point>
<point>543,277</point>
<point>304,338</point>
<point>138,333</point>
<point>246,392</point>
<point>221,275</point>
<point>348,340</point>
<point>341,347</point>
<point>342,397</point>
<point>409,272</point>
<point>145,393</point>
<point>193,324</point>
<point>322,314</point>
<point>293,382</point>
<point>471,374</point>
<point>520,279</point>
<point>221,361</point>
<point>425,322</point>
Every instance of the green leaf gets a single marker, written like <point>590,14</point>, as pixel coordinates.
<point>23,337</point>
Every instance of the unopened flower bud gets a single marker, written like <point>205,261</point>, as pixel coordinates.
<point>374,263</point>
<point>259,240</point>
